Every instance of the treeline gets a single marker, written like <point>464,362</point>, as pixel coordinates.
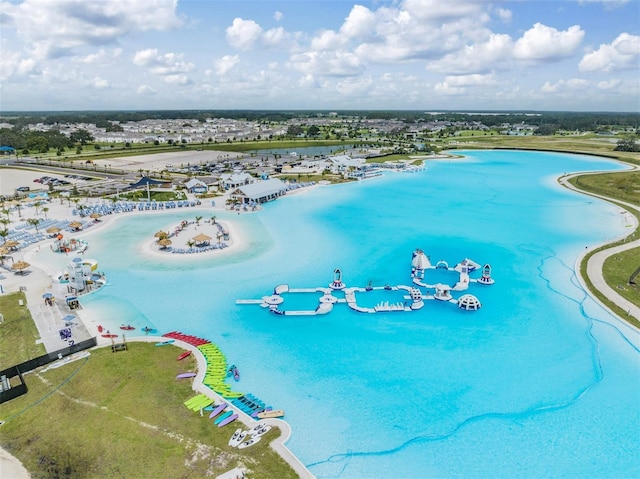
<point>105,119</point>
<point>26,141</point>
<point>553,121</point>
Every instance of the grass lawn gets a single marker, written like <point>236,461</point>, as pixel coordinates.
<point>122,415</point>
<point>618,270</point>
<point>18,332</point>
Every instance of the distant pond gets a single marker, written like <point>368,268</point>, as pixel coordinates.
<point>304,151</point>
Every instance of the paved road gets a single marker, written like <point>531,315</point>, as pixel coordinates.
<point>595,264</point>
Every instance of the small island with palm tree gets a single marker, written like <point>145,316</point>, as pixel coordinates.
<point>193,236</point>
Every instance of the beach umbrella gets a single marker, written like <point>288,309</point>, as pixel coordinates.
<point>164,242</point>
<point>3,250</point>
<point>75,225</point>
<point>53,229</point>
<point>201,238</point>
<point>47,295</point>
<point>20,265</point>
<point>11,244</point>
<point>161,234</point>
<point>95,216</point>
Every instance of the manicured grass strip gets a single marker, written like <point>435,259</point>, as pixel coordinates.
<point>18,332</point>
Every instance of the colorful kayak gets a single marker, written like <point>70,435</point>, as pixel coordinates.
<point>185,375</point>
<point>148,330</point>
<point>128,327</point>
<point>222,417</point>
<point>218,410</point>
<point>272,413</point>
<point>164,343</point>
<point>231,418</point>
<point>109,335</point>
<point>255,413</point>
<point>184,355</point>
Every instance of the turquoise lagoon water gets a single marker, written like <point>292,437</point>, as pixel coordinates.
<point>541,382</point>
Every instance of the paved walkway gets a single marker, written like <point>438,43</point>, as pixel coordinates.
<point>595,264</point>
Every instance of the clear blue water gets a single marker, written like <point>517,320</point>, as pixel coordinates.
<point>541,382</point>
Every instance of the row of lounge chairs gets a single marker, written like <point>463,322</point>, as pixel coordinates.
<point>27,234</point>
<point>104,209</point>
<point>200,249</point>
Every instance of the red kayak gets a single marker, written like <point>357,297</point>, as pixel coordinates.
<point>110,335</point>
<point>184,355</point>
<point>127,328</point>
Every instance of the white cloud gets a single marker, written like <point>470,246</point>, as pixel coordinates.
<point>470,80</point>
<point>327,40</point>
<point>177,79</point>
<point>225,64</point>
<point>574,85</point>
<point>622,54</point>
<point>439,10</point>
<point>242,34</point>
<point>100,83</point>
<point>307,81</point>
<point>353,86</point>
<point>360,23</point>
<point>478,57</point>
<point>445,89</point>
<point>275,37</point>
<point>609,85</point>
<point>543,43</point>
<point>167,64</point>
<point>334,63</point>
<point>146,90</point>
<point>13,64</point>
<point>53,29</point>
<point>101,57</point>
<point>504,15</point>
<point>277,16</point>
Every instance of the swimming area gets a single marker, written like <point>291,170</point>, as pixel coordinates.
<point>539,382</point>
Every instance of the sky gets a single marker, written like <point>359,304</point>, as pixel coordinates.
<point>571,55</point>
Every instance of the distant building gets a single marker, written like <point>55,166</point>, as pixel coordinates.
<point>196,186</point>
<point>260,191</point>
<point>233,180</point>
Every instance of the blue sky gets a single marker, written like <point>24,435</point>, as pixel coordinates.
<point>580,55</point>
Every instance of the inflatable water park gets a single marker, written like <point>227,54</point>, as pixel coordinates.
<point>401,298</point>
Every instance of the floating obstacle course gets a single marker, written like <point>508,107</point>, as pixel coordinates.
<point>337,292</point>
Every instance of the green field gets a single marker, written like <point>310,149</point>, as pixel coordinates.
<point>18,333</point>
<point>122,415</point>
<point>618,270</point>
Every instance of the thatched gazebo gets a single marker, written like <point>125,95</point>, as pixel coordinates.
<point>20,266</point>
<point>202,239</point>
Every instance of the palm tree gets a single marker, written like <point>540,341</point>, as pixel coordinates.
<point>213,220</point>
<point>198,218</point>
<point>44,210</point>
<point>4,233</point>
<point>35,222</point>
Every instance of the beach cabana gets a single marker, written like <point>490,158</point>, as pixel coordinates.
<point>53,230</point>
<point>20,266</point>
<point>11,244</point>
<point>164,242</point>
<point>202,239</point>
<point>76,225</point>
